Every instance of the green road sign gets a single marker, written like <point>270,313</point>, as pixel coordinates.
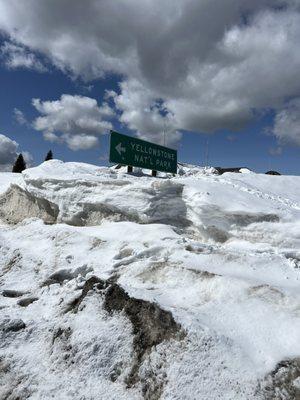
<point>127,150</point>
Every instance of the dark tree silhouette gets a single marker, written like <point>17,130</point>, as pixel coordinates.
<point>49,156</point>
<point>20,164</point>
<point>273,173</point>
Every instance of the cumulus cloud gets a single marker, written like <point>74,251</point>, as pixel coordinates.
<point>9,152</point>
<point>197,65</point>
<point>74,120</point>
<point>81,141</point>
<point>287,123</point>
<point>144,114</point>
<point>17,56</point>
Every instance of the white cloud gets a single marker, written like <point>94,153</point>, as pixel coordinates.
<point>141,112</point>
<point>204,65</point>
<point>74,120</point>
<point>17,56</point>
<point>9,150</point>
<point>287,123</point>
<point>81,141</point>
<point>20,117</point>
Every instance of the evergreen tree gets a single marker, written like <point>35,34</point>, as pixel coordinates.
<point>20,164</point>
<point>49,156</point>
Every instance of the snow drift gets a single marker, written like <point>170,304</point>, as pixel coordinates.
<point>118,286</point>
<point>55,193</point>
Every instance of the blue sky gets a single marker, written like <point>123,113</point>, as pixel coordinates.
<point>250,147</point>
<point>142,97</point>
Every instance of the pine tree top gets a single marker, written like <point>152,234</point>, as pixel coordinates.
<point>49,156</point>
<point>19,165</point>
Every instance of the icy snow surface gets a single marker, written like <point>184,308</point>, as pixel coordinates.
<point>221,253</point>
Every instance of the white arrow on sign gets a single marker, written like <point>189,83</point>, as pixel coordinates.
<point>120,149</point>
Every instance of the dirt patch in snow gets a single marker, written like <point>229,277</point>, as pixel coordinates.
<point>294,258</point>
<point>15,260</point>
<point>12,325</point>
<point>63,275</point>
<point>16,204</point>
<point>244,219</point>
<point>61,344</point>
<point>267,293</point>
<point>284,382</point>
<point>11,387</point>
<point>27,301</point>
<point>217,223</point>
<point>151,326</point>
<point>94,214</point>
<point>13,293</point>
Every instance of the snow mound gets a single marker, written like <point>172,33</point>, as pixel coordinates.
<point>125,286</point>
<point>246,171</point>
<point>86,195</point>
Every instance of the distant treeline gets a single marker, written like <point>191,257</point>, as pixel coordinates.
<point>20,163</point>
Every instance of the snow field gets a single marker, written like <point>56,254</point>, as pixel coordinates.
<point>221,253</point>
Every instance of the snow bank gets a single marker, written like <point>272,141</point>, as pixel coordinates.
<point>86,195</point>
<point>8,178</point>
<point>217,258</point>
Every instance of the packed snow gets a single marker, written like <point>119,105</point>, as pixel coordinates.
<point>218,256</point>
